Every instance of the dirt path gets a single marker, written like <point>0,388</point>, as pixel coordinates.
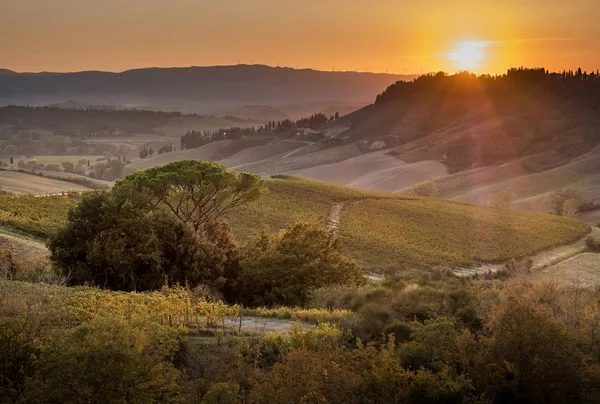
<point>333,221</point>
<point>541,260</point>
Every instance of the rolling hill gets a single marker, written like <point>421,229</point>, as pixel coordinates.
<point>381,231</point>
<point>391,231</point>
<point>25,183</point>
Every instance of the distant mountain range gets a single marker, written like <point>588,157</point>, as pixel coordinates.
<point>207,90</point>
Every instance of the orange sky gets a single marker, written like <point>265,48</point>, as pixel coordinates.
<point>376,35</point>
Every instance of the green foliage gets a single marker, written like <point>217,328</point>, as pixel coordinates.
<point>157,227</point>
<point>538,344</point>
<point>112,240</point>
<point>400,329</point>
<point>531,356</point>
<point>196,192</point>
<point>38,216</point>
<point>72,345</point>
<point>364,375</point>
<point>222,393</point>
<point>285,268</point>
<point>103,361</point>
<point>558,199</point>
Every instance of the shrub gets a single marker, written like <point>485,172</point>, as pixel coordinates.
<point>570,207</point>
<point>428,188</point>
<point>114,242</point>
<point>401,330</point>
<point>284,269</point>
<point>372,319</point>
<point>222,393</point>
<point>592,244</point>
<point>8,268</point>
<point>558,199</point>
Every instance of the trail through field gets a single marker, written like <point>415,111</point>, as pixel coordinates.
<point>541,260</point>
<point>333,221</point>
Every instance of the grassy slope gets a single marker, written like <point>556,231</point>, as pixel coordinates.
<point>426,232</point>
<point>383,230</point>
<point>379,230</point>
<point>38,216</point>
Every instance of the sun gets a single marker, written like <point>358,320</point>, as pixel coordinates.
<point>468,55</point>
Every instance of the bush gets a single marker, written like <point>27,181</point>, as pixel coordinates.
<point>8,268</point>
<point>284,269</point>
<point>592,244</point>
<point>428,188</point>
<point>222,393</point>
<point>558,199</point>
<point>570,207</point>
<point>372,319</point>
<point>112,241</point>
<point>401,330</point>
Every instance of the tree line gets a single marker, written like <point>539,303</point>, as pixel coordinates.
<point>567,85</point>
<point>193,139</point>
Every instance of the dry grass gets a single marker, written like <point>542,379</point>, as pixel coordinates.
<point>24,183</point>
<point>384,234</point>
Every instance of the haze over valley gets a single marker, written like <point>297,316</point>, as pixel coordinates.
<point>410,214</point>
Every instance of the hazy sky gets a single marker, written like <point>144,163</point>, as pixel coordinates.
<point>377,35</point>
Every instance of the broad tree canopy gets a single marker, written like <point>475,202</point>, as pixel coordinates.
<point>197,192</point>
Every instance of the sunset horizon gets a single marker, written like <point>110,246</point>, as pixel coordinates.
<point>70,36</point>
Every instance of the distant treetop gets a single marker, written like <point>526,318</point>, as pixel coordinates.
<point>568,85</point>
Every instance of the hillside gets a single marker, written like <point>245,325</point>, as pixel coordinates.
<point>207,90</point>
<point>379,230</point>
<point>25,183</point>
<point>474,135</point>
<point>383,230</point>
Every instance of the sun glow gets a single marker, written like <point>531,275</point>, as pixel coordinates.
<point>468,55</point>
